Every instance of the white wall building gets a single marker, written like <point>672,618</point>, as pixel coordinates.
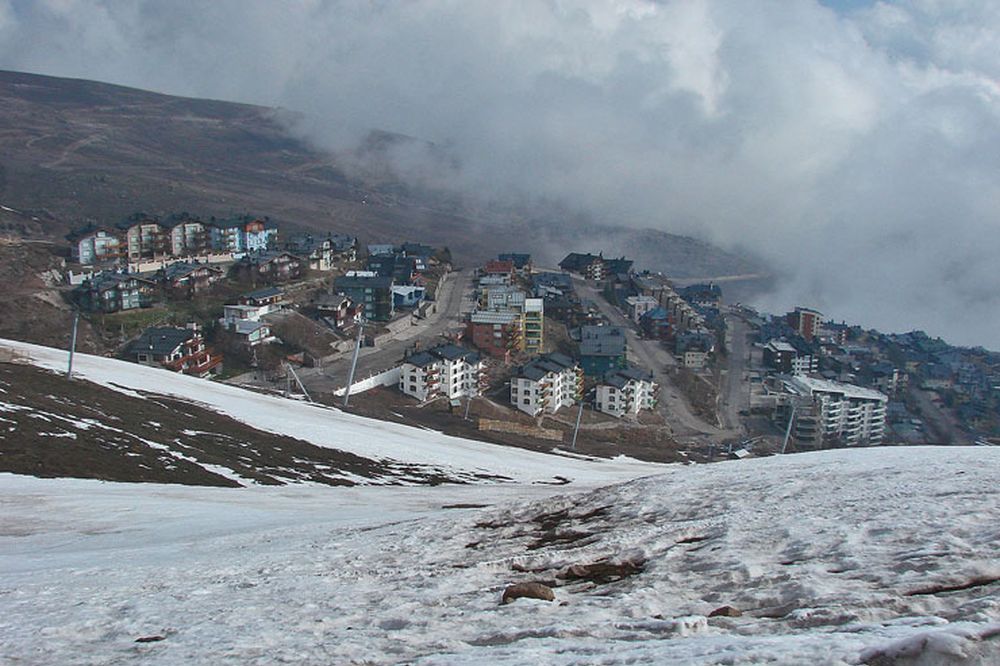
<point>640,305</point>
<point>447,371</point>
<point>625,391</point>
<point>546,384</point>
<point>828,412</point>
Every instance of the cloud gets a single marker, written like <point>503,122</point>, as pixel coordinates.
<point>856,150</point>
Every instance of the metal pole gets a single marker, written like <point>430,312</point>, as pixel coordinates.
<point>72,345</point>
<point>467,405</point>
<point>788,430</point>
<point>576,430</point>
<point>354,363</point>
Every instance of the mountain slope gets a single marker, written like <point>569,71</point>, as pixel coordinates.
<point>877,556</point>
<point>77,151</point>
<point>367,451</point>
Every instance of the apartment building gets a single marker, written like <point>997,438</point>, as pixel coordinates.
<point>625,391</point>
<point>546,384</point>
<point>827,413</point>
<point>447,371</point>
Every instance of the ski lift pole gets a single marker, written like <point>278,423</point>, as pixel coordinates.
<point>354,363</point>
<point>72,345</point>
<point>576,430</point>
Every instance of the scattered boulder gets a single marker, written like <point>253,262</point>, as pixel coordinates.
<point>726,611</point>
<point>150,639</point>
<point>527,590</point>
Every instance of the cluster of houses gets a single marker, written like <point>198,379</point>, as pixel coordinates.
<point>507,326</point>
<point>963,383</point>
<point>394,278</point>
<point>809,397</point>
<point>123,266</point>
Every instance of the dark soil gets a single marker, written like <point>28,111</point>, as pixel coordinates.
<point>53,427</point>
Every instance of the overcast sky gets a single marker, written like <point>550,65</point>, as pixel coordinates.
<point>855,145</point>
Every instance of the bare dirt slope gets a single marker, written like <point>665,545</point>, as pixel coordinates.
<point>73,151</point>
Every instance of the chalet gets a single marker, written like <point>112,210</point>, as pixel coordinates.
<point>268,298</point>
<point>447,371</point>
<point>189,277</point>
<point>177,349</point>
<point>504,270</point>
<point>625,391</point>
<point>521,262</point>
<point>270,265</point>
<point>587,265</point>
<point>546,384</point>
<point>702,295</point>
<point>244,321</point>
<point>383,250</point>
<point>323,254</point>
<point>114,292</point>
<point>337,310</point>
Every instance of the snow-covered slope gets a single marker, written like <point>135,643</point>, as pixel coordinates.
<point>391,445</point>
<point>880,556</point>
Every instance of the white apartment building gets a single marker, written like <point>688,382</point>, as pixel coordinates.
<point>447,371</point>
<point>546,384</point>
<point>625,391</point>
<point>826,412</point>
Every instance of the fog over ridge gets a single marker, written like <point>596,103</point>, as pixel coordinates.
<point>854,146</point>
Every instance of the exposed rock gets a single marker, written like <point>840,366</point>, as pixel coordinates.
<point>726,611</point>
<point>528,590</point>
<point>605,570</point>
<point>150,639</point>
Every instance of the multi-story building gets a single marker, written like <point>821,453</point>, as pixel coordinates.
<point>242,234</point>
<point>145,238</point>
<point>447,371</point>
<point>602,348</point>
<point>188,235</point>
<point>533,316</point>
<point>805,322</point>
<point>827,413</point>
<point>784,357</point>
<point>95,245</point>
<point>373,293</point>
<point>497,334</point>
<point>546,384</point>
<point>625,391</point>
<point>114,292</point>
<point>640,305</point>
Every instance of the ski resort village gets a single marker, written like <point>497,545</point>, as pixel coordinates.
<point>244,443</point>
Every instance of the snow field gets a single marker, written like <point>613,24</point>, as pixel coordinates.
<point>832,558</point>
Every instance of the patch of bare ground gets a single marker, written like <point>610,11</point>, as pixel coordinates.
<point>702,394</point>
<point>643,442</point>
<point>54,427</point>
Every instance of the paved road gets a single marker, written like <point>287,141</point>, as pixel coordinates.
<point>454,297</point>
<point>651,355</point>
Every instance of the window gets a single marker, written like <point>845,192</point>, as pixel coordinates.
<point>527,401</point>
